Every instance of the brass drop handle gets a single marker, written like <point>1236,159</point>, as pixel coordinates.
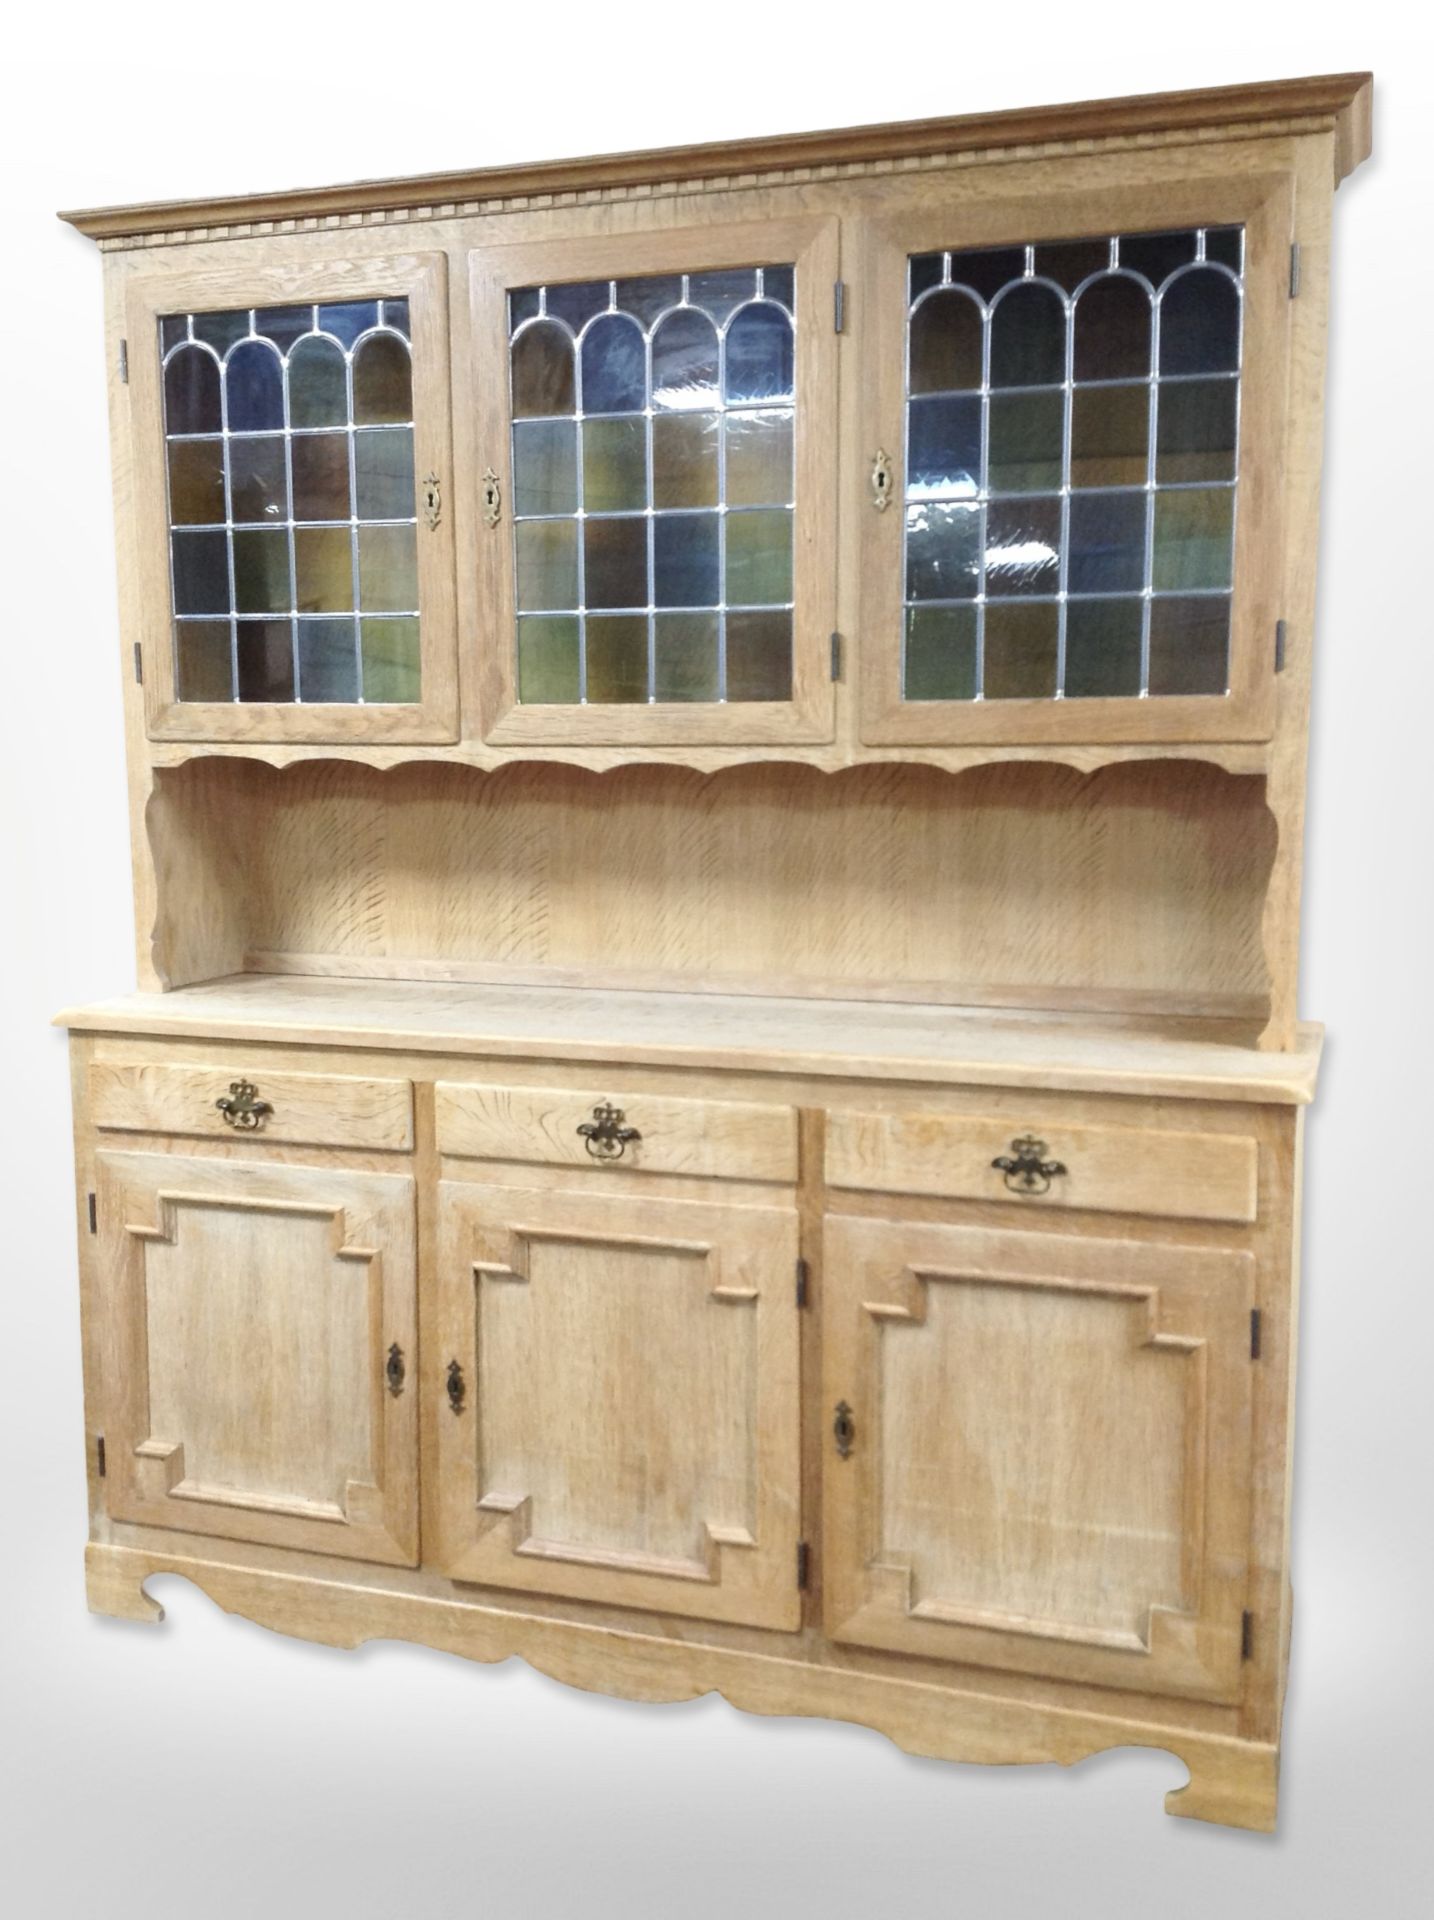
<point>1026,1168</point>
<point>492,498</point>
<point>457,1392</point>
<point>605,1135</point>
<point>243,1108</point>
<point>844,1429</point>
<point>395,1373</point>
<point>882,480</point>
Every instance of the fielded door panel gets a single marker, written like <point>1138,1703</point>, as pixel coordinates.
<point>293,501</point>
<point>1069,487</point>
<point>258,1329</point>
<point>619,1379</point>
<point>1043,1460</point>
<point>655,435</point>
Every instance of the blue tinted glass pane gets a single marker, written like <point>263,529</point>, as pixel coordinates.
<point>523,304</point>
<point>254,388</point>
<point>684,361</point>
<point>720,294</point>
<point>395,314</point>
<point>173,328</point>
<point>349,319</point>
<point>1107,543</point>
<point>779,283</point>
<point>577,305</point>
<point>685,559</point>
<point>645,299</point>
<point>759,355</point>
<point>328,660</point>
<point>1200,323</point>
<point>614,366</point>
<point>283,325</point>
<point>1028,337</point>
<point>943,446</point>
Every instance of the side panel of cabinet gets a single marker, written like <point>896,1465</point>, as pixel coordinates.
<point>620,1386</point>
<point>1048,1463</point>
<point>259,1340</point>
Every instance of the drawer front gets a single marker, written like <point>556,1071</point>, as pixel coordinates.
<point>303,1109</point>
<point>639,1132</point>
<point>1191,1176</point>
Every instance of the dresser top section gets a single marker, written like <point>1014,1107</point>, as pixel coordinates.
<point>1078,1053</point>
<point>1337,102</point>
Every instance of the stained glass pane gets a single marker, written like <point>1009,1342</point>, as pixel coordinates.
<point>941,653</point>
<point>945,342</point>
<point>653,488</point>
<point>293,531</point>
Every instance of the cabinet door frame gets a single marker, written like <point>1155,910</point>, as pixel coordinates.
<point>422,278</point>
<point>749,1576</point>
<point>1263,201</point>
<point>812,244</point>
<point>1197,1300</point>
<point>372,1215</point>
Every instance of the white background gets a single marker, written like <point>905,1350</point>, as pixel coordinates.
<point>210,1769</point>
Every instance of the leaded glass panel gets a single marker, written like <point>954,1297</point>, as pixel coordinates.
<point>1071,467</point>
<point>293,527</point>
<point>653,489</point>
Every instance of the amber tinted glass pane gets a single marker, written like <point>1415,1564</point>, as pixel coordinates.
<point>543,377</point>
<point>1107,543</point>
<point>191,392</point>
<point>943,551</point>
<point>1200,323</point>
<point>383,473</point>
<point>1195,432</point>
<point>1190,645</point>
<point>759,457</point>
<point>614,363</point>
<point>943,447</point>
<point>549,661</point>
<point>1103,648</point>
<point>261,570</point>
<point>321,476</point>
<point>945,342</point>
<point>390,661</point>
<point>759,656</point>
<point>684,459</point>
<point>685,361</point>
<point>547,564</point>
<point>615,465</point>
<point>1023,546</point>
<point>1112,330</point>
<point>1194,538</point>
<point>1110,436</point>
<point>686,656</point>
<point>323,563</point>
<point>940,653</point>
<point>265,650</point>
<point>759,557</point>
<point>318,385</point>
<point>615,563</point>
<point>545,466</point>
<point>196,483</point>
<point>200,563</point>
<point>254,388</point>
<point>258,481</point>
<point>1027,437</point>
<point>328,661</point>
<point>1028,337</point>
<point>617,657</point>
<point>1022,639</point>
<point>388,569</point>
<point>203,664</point>
<point>383,381</point>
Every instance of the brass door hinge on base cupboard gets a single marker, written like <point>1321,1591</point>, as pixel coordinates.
<point>652,1141</point>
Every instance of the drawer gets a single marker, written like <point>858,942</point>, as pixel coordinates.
<point>706,1139</point>
<point>1191,1176</point>
<point>303,1109</point>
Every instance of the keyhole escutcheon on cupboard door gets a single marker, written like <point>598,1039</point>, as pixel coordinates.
<point>257,1348</point>
<point>1043,1462</point>
<point>619,1386</point>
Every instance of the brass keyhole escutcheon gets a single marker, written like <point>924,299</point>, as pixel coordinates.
<point>844,1429</point>
<point>492,498</point>
<point>457,1391</point>
<point>432,502</point>
<point>242,1108</point>
<point>394,1371</point>
<point>882,480</point>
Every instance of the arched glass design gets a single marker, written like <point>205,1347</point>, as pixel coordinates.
<point>1071,467</point>
<point>653,491</point>
<point>292,511</point>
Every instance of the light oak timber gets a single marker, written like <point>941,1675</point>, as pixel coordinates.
<point>335,1110</point>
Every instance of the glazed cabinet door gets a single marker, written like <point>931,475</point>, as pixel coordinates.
<point>292,495</point>
<point>1040,1452</point>
<point>1069,482</point>
<point>619,1383</point>
<point>258,1334</point>
<point>655,431</point>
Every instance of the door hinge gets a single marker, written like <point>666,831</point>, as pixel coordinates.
<point>804,1562</point>
<point>836,656</point>
<point>100,1454</point>
<point>124,363</point>
<point>1256,1325</point>
<point>94,1214</point>
<point>138,664</point>
<point>839,306</point>
<point>1281,637</point>
<point>803,1275</point>
<point>1247,1634</point>
<point>1295,270</point>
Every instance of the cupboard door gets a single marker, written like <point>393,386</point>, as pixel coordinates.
<point>655,424</point>
<point>258,1333</point>
<point>1075,406</point>
<point>619,1383</point>
<point>1043,1460</point>
<point>293,500</point>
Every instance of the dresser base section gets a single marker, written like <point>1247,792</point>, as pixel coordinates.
<point>1232,1782</point>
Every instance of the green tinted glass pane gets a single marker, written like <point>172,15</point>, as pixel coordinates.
<point>686,656</point>
<point>617,657</point>
<point>318,385</point>
<point>388,569</point>
<point>945,342</point>
<point>615,466</point>
<point>548,653</point>
<point>615,563</point>
<point>684,460</point>
<point>759,557</point>
<point>1021,646</point>
<point>547,564</point>
<point>328,661</point>
<point>545,466</point>
<point>1190,645</point>
<point>261,570</point>
<point>196,483</point>
<point>543,378</point>
<point>321,476</point>
<point>940,653</point>
<point>258,481</point>
<point>759,457</point>
<point>201,572</point>
<point>1194,538</point>
<point>1103,648</point>
<point>1027,431</point>
<point>323,562</point>
<point>1195,431</point>
<point>383,473</point>
<point>1110,436</point>
<point>759,656</point>
<point>383,381</point>
<point>265,650</point>
<point>390,661</point>
<point>203,667</point>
